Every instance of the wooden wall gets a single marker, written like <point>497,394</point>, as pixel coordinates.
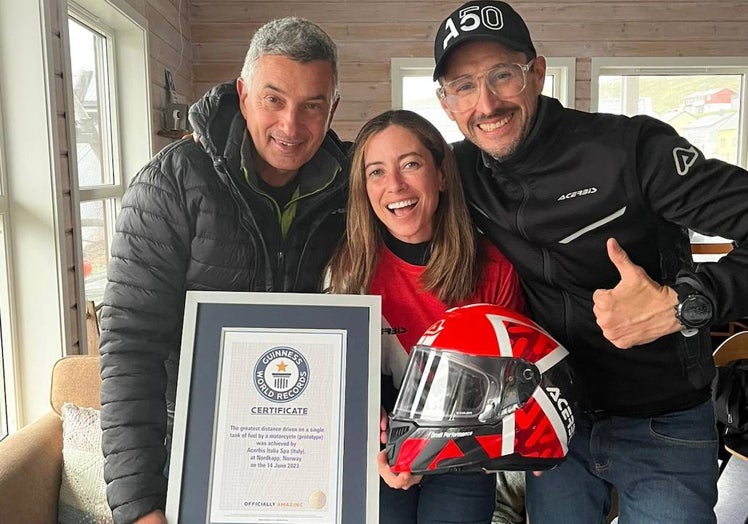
<point>169,43</point>
<point>370,32</point>
<point>203,42</point>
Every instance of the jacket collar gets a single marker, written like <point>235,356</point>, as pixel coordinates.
<point>318,171</point>
<point>215,117</point>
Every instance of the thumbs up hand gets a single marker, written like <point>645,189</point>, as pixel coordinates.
<point>638,310</point>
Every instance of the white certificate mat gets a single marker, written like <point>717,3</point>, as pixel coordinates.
<point>277,411</point>
<point>276,391</point>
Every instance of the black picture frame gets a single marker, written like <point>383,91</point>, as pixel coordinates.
<point>207,317</point>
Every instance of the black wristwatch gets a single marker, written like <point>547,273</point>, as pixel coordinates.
<point>694,310</point>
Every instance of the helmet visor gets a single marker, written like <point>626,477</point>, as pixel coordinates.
<point>450,386</point>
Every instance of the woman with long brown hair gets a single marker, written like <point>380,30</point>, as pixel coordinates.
<point>409,239</point>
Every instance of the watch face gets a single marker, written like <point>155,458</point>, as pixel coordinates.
<point>696,311</point>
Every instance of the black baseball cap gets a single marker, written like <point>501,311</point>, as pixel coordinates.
<point>486,20</point>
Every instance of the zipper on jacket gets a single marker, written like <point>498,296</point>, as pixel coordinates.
<point>568,328</point>
<point>246,220</point>
<point>276,270</point>
<point>519,222</point>
<point>280,260</point>
<point>497,172</point>
<point>318,190</point>
<point>280,257</point>
<point>313,230</point>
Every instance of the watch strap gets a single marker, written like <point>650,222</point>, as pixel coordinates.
<point>687,293</point>
<point>683,290</point>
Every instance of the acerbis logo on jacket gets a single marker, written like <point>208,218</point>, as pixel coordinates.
<point>579,192</point>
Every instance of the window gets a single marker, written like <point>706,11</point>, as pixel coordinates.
<point>703,99</point>
<point>109,83</point>
<point>414,89</point>
<point>97,154</point>
<point>40,204</point>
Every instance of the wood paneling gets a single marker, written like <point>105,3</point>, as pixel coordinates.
<point>532,11</point>
<point>167,30</point>
<point>203,42</point>
<point>369,33</point>
<point>356,31</point>
<point>170,47</point>
<point>424,11</point>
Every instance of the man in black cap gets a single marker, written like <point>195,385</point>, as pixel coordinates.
<point>594,212</point>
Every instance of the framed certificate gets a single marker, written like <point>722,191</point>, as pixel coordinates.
<point>277,410</point>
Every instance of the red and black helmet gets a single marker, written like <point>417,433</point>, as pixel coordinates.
<point>485,389</point>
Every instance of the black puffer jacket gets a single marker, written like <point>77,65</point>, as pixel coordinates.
<point>190,221</point>
<point>581,178</point>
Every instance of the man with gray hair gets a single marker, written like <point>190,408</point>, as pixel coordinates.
<point>257,203</point>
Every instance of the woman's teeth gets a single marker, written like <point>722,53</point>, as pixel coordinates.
<point>402,203</point>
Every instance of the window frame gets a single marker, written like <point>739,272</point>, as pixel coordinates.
<point>45,267</point>
<point>33,229</point>
<point>129,118</point>
<point>115,189</point>
<point>8,410</point>
<point>109,194</point>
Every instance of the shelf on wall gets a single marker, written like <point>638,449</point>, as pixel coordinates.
<point>175,134</point>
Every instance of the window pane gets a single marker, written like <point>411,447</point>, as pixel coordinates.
<point>705,109</point>
<point>549,87</point>
<point>419,95</point>
<point>97,222</point>
<point>91,106</point>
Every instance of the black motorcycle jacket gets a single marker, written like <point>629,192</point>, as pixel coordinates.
<point>581,178</point>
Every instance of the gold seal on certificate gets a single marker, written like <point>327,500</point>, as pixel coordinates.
<point>317,500</point>
<point>279,429</point>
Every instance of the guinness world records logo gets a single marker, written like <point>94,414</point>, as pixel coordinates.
<point>281,374</point>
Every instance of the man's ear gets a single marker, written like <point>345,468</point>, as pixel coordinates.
<point>538,71</point>
<point>446,109</point>
<point>243,89</point>
<point>332,111</point>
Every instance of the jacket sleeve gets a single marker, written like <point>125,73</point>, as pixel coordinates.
<point>140,326</point>
<point>706,195</point>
